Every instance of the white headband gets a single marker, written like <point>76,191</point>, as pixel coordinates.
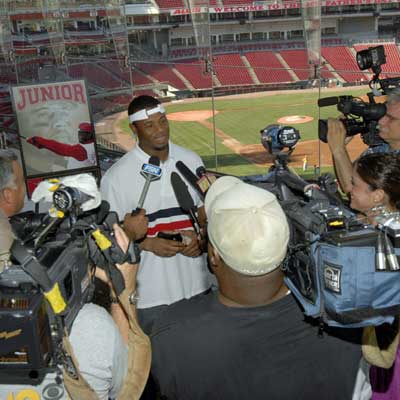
<point>144,114</point>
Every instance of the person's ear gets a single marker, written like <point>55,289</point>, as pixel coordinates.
<point>8,195</point>
<point>214,257</point>
<point>133,128</point>
<point>378,196</point>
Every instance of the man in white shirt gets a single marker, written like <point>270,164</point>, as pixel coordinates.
<point>170,270</point>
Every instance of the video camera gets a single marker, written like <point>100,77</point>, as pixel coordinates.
<point>50,279</point>
<point>361,117</point>
<point>342,270</point>
<point>275,138</point>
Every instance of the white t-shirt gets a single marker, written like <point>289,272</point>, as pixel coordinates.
<point>161,280</point>
<point>100,352</point>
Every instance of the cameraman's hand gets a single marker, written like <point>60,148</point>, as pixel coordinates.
<point>192,247</point>
<point>162,247</point>
<point>336,135</point>
<point>129,271</point>
<point>341,159</point>
<point>135,226</point>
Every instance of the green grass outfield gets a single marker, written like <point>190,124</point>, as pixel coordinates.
<point>242,118</point>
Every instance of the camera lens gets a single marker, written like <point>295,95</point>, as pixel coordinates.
<point>363,59</point>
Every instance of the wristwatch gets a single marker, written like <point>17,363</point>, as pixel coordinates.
<point>133,298</point>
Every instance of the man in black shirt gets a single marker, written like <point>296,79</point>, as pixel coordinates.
<point>249,339</point>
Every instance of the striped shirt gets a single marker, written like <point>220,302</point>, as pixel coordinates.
<point>161,280</point>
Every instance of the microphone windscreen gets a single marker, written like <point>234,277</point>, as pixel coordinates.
<point>154,160</point>
<point>181,191</point>
<point>328,101</point>
<point>187,173</point>
<point>201,171</point>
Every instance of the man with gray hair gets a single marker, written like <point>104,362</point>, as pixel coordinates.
<point>249,339</point>
<point>12,195</point>
<point>389,131</point>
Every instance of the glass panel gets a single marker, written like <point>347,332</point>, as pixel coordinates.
<point>8,76</point>
<point>39,41</point>
<point>198,49</point>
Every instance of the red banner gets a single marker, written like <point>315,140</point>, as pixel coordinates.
<point>277,6</point>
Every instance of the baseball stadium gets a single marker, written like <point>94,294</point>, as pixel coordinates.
<point>224,69</point>
<point>199,199</point>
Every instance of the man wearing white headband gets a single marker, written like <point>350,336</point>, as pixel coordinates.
<point>249,339</point>
<point>170,270</point>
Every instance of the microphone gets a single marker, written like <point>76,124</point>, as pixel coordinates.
<point>185,201</point>
<point>206,180</point>
<point>151,172</point>
<point>328,101</point>
<point>390,255</point>
<point>189,176</point>
<point>380,261</point>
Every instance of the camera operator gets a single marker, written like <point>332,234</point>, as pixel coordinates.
<point>389,131</point>
<point>98,347</point>
<point>107,368</point>
<point>12,195</point>
<point>376,190</point>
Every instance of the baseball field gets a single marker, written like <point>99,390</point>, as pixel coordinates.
<point>237,121</point>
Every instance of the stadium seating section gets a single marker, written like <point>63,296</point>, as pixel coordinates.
<point>194,72</point>
<point>268,67</point>
<point>298,62</point>
<point>343,62</point>
<point>252,66</point>
<point>230,70</point>
<point>97,74</point>
<point>163,73</point>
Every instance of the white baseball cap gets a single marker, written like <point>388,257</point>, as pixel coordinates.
<point>246,226</point>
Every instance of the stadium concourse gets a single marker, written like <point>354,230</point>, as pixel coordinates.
<point>313,150</point>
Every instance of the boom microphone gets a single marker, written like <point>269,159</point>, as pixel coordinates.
<point>151,172</point>
<point>328,101</point>
<point>185,201</point>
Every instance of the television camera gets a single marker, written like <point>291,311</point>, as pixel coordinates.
<point>341,269</point>
<point>361,117</point>
<point>50,277</point>
<point>275,137</point>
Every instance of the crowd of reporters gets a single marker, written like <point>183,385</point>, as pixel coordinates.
<point>247,338</point>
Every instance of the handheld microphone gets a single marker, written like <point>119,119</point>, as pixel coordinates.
<point>206,180</point>
<point>189,176</point>
<point>151,172</point>
<point>185,201</point>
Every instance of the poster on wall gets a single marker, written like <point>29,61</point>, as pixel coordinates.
<point>55,127</point>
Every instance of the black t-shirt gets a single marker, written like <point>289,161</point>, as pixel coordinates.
<point>205,350</point>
